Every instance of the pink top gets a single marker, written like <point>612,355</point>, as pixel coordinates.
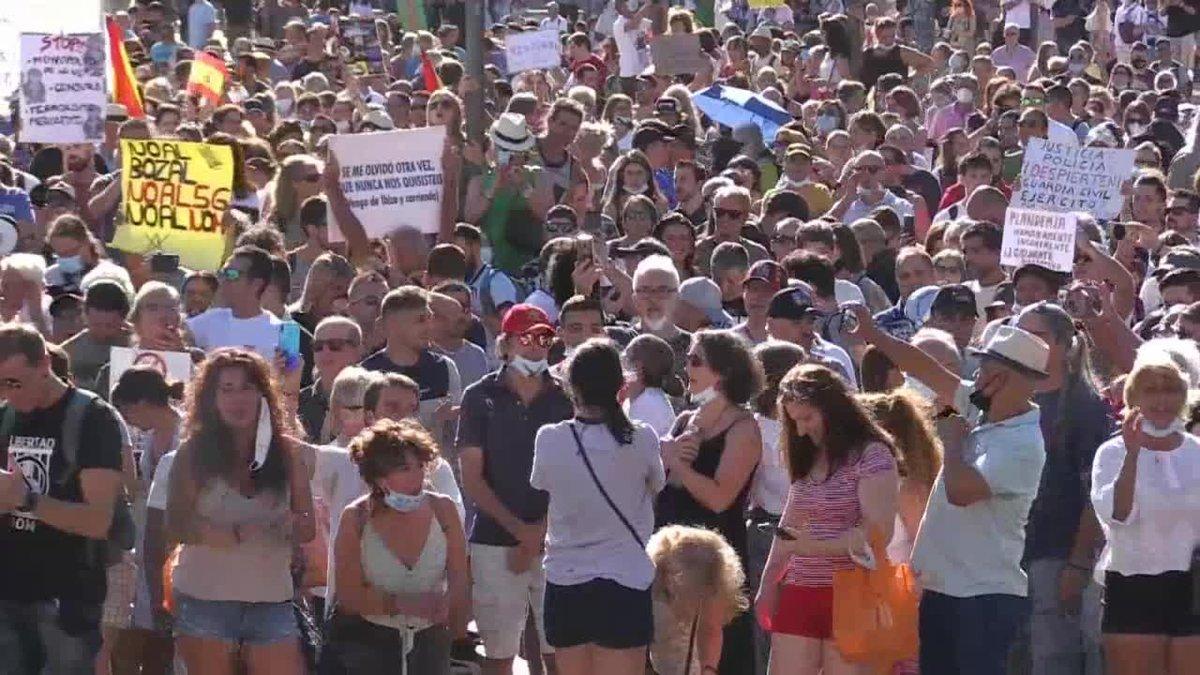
<point>830,507</point>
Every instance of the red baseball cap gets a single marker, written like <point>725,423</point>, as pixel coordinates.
<point>524,318</point>
<point>770,272</point>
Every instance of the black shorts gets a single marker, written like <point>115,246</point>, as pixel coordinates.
<point>600,612</point>
<point>1149,604</point>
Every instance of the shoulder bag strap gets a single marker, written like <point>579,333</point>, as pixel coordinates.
<point>604,493</point>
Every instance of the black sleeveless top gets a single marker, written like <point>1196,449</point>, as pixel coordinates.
<point>677,506</point>
<point>878,62</point>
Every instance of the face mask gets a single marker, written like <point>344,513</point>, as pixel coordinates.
<point>284,106</point>
<point>1136,128</point>
<point>981,401</point>
<point>70,264</point>
<point>1076,67</point>
<point>262,436</point>
<point>635,189</point>
<point>656,325</point>
<point>528,368</point>
<point>398,501</point>
<point>342,126</point>
<point>940,100</point>
<point>826,123</point>
<point>1154,431</point>
<point>958,65</point>
<point>705,397</point>
<point>964,96</point>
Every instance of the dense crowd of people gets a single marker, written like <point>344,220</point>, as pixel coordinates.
<point>665,378</point>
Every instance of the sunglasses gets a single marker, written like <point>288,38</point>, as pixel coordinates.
<point>539,339</point>
<point>730,214</point>
<point>353,408</point>
<point>334,344</point>
<point>230,274</point>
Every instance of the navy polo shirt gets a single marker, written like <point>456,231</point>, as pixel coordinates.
<point>431,372</point>
<point>495,419</point>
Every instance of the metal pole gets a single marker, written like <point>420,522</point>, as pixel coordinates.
<point>474,39</point>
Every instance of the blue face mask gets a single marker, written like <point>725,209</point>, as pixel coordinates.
<point>70,264</point>
<point>398,501</point>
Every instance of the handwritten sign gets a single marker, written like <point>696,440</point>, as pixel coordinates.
<point>1046,238</point>
<point>38,16</point>
<point>392,179</point>
<point>175,366</point>
<point>1064,178</point>
<point>678,55</point>
<point>532,50</point>
<point>175,194</point>
<point>62,89</point>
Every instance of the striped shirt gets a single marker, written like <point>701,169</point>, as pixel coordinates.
<point>827,509</point>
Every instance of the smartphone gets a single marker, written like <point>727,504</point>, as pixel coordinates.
<point>289,340</point>
<point>164,263</point>
<point>910,226</point>
<point>585,246</point>
<point>599,251</point>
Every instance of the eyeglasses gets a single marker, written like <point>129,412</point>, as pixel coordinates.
<point>694,360</point>
<point>539,339</point>
<point>230,274</point>
<point>1032,102</point>
<point>334,344</point>
<point>729,214</point>
<point>659,291</point>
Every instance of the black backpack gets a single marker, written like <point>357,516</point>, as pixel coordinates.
<point>122,533</point>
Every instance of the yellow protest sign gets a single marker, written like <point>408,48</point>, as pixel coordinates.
<point>766,4</point>
<point>175,195</point>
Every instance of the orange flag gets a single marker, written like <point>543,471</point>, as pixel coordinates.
<point>123,88</point>
<point>429,74</point>
<point>208,77</point>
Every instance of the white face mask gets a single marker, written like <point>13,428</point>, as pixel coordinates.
<point>342,126</point>
<point>634,189</point>
<point>826,123</point>
<point>1154,431</point>
<point>284,106</point>
<point>528,368</point>
<point>1136,128</point>
<point>965,96</point>
<point>655,325</point>
<point>402,503</point>
<point>705,397</point>
<point>70,264</point>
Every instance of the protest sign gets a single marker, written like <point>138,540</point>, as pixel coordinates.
<point>678,55</point>
<point>532,50</point>
<point>391,179</point>
<point>765,4</point>
<point>175,195</point>
<point>1064,177</point>
<point>1046,238</point>
<point>62,88</point>
<point>38,16</point>
<point>362,41</point>
<point>175,366</point>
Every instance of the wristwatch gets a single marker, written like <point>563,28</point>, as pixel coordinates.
<point>29,503</point>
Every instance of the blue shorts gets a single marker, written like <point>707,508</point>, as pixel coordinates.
<point>252,623</point>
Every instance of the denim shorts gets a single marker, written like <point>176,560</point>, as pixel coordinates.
<point>253,623</point>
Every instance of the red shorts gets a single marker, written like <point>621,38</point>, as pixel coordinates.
<point>806,611</point>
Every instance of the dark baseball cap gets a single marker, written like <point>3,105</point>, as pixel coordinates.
<point>106,296</point>
<point>954,299</point>
<point>1186,257</point>
<point>1053,279</point>
<point>642,247</point>
<point>769,272</point>
<point>1179,276</point>
<point>794,303</point>
<point>651,133</point>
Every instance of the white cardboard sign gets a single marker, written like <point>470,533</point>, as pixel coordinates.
<point>175,366</point>
<point>62,88</point>
<point>533,50</point>
<point>1062,177</point>
<point>1045,238</point>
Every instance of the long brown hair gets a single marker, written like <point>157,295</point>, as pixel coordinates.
<point>906,416</point>
<point>849,428</point>
<point>207,438</point>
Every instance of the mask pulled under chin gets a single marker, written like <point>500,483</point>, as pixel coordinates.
<point>1154,431</point>
<point>656,325</point>
<point>705,397</point>
<point>262,436</point>
<point>398,501</point>
<point>528,368</point>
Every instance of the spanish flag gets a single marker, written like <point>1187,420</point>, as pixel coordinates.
<point>123,88</point>
<point>429,74</point>
<point>208,77</point>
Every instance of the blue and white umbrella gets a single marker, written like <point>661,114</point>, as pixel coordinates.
<point>733,107</point>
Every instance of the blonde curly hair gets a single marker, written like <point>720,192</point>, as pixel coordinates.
<point>694,564</point>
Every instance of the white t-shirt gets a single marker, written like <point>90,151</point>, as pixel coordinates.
<point>654,408</point>
<point>201,15</point>
<point>769,491</point>
<point>845,291</point>
<point>545,302</point>
<point>218,327</point>
<point>631,45</point>
<point>1130,11</point>
<point>559,24</point>
<point>1061,133</point>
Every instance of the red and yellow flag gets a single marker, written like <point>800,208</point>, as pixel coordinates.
<point>429,74</point>
<point>122,87</point>
<point>208,77</point>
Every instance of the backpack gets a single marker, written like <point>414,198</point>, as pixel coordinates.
<point>122,533</point>
<point>486,301</point>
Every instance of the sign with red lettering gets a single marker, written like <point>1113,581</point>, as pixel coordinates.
<point>174,198</point>
<point>62,88</point>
